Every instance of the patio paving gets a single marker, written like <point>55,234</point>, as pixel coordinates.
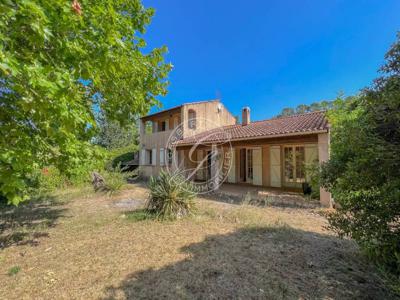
<point>262,196</point>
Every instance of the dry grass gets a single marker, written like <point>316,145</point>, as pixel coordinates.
<point>88,247</point>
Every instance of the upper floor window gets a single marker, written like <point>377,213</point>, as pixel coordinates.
<point>148,127</point>
<point>192,119</point>
<point>162,126</point>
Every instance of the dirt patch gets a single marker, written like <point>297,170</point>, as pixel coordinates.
<point>224,251</point>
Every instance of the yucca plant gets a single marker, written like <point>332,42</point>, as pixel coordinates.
<point>171,196</point>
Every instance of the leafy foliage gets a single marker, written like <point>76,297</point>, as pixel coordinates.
<point>171,196</point>
<point>363,173</point>
<point>111,135</point>
<point>303,108</point>
<point>58,64</point>
<point>115,179</point>
<point>313,172</point>
<point>49,179</point>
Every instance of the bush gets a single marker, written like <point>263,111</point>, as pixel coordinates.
<point>171,196</point>
<point>363,172</point>
<point>46,179</point>
<point>313,172</point>
<point>114,180</point>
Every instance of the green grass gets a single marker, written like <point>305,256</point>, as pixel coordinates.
<point>138,215</point>
<point>14,271</point>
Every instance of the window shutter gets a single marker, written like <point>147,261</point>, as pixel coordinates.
<point>162,157</point>
<point>142,157</point>
<point>153,156</point>
<point>166,124</point>
<point>257,166</point>
<point>232,169</point>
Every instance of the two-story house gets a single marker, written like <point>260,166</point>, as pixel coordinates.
<point>269,153</point>
<point>192,118</point>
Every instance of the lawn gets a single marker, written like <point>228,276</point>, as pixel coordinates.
<point>77,244</point>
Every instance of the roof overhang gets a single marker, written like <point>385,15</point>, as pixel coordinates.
<point>162,113</point>
<point>178,144</point>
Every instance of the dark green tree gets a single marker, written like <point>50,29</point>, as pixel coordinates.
<point>112,136</point>
<point>303,108</point>
<point>363,173</point>
<point>55,57</point>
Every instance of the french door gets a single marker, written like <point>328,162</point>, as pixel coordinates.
<point>294,169</point>
<point>251,165</point>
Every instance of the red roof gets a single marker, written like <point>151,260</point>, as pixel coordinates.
<point>307,123</point>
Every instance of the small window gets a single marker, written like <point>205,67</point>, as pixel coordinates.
<point>149,157</point>
<point>162,126</point>
<point>169,156</point>
<point>192,119</point>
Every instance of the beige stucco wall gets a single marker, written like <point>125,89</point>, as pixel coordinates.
<point>207,115</point>
<point>323,154</point>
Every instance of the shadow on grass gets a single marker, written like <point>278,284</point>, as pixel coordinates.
<point>28,223</point>
<point>259,263</point>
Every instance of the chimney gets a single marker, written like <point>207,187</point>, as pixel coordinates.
<point>245,115</point>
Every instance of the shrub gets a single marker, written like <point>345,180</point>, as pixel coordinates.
<point>114,180</point>
<point>363,172</point>
<point>14,271</point>
<point>46,179</point>
<point>313,172</point>
<point>171,196</point>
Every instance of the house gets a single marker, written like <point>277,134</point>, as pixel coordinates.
<point>206,142</point>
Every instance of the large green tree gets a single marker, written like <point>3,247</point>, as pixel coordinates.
<point>112,136</point>
<point>56,57</point>
<point>363,173</point>
<point>304,108</point>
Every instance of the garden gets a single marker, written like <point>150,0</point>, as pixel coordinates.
<point>75,77</point>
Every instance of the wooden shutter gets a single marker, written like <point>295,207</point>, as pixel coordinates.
<point>153,156</point>
<point>275,161</point>
<point>162,157</point>
<point>257,166</point>
<point>310,157</point>
<point>142,157</point>
<point>232,170</point>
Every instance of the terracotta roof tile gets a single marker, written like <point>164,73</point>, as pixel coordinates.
<point>302,123</point>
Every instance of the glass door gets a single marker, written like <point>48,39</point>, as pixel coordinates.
<point>294,164</point>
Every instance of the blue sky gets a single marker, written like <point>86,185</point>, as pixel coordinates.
<point>271,54</point>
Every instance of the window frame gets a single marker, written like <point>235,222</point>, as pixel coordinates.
<point>294,164</point>
<point>149,157</point>
<point>192,119</point>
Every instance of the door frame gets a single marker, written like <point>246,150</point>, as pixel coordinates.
<point>246,162</point>
<point>294,162</point>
